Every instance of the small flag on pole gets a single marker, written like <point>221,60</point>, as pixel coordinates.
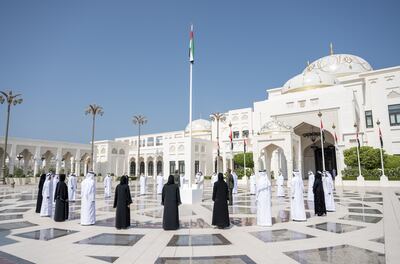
<point>244,145</point>
<point>231,138</point>
<point>380,137</point>
<point>191,45</point>
<point>358,140</point>
<point>218,148</point>
<point>322,132</point>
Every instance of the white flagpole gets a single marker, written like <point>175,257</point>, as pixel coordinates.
<point>322,142</point>
<point>244,158</point>
<point>190,122</point>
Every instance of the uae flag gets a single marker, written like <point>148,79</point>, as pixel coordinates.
<point>244,146</point>
<point>336,140</point>
<point>322,132</point>
<point>380,137</point>
<point>218,148</point>
<point>191,45</point>
<point>358,140</point>
<point>231,138</point>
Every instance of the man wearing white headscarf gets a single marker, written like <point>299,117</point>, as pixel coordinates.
<point>280,191</point>
<point>235,183</point>
<point>56,179</point>
<point>143,188</point>
<point>310,193</point>
<point>88,196</point>
<point>72,187</point>
<point>160,183</point>
<point>264,213</point>
<point>47,193</point>
<point>297,210</point>
<point>199,180</point>
<point>253,184</point>
<point>107,186</point>
<point>328,192</point>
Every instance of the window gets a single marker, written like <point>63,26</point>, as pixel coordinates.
<point>159,167</point>
<point>150,141</point>
<point>181,167</point>
<point>141,168</point>
<point>150,168</point>
<point>158,141</point>
<point>132,168</point>
<point>172,167</point>
<point>235,134</point>
<point>369,122</point>
<point>196,166</point>
<point>394,114</point>
<point>245,133</point>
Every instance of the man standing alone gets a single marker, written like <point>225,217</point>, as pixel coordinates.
<point>231,184</point>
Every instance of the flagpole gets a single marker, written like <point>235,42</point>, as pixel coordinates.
<point>322,142</point>
<point>190,113</point>
<point>380,149</point>
<point>358,152</point>
<point>244,158</point>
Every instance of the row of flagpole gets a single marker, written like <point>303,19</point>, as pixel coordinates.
<point>322,135</point>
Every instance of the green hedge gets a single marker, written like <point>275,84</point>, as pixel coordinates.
<point>393,174</point>
<point>240,172</point>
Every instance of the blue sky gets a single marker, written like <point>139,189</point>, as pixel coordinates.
<point>131,57</point>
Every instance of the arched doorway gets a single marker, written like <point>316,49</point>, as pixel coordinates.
<point>141,168</point>
<point>159,167</point>
<point>273,160</point>
<point>150,168</point>
<point>132,168</point>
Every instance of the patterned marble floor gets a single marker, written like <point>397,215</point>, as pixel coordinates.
<point>355,233</point>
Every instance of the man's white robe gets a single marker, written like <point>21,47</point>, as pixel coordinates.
<point>264,213</point>
<point>160,184</point>
<point>182,180</point>
<point>235,182</point>
<point>253,184</point>
<point>280,181</point>
<point>107,186</point>
<point>143,188</point>
<point>297,210</point>
<point>310,192</point>
<point>88,196</point>
<point>72,187</point>
<point>47,202</point>
<point>214,179</point>
<point>328,193</point>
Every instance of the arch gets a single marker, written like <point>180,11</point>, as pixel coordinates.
<point>132,168</point>
<point>273,159</point>
<point>159,167</point>
<point>141,168</point>
<point>150,168</point>
<point>114,151</point>
<point>122,152</point>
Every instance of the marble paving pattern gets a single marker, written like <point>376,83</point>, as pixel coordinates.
<point>353,233</point>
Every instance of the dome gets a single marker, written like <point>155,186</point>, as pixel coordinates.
<point>308,80</point>
<point>339,65</point>
<point>199,125</point>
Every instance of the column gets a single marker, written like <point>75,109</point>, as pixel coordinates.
<point>145,166</point>
<point>339,166</point>
<point>36,159</point>
<point>78,163</point>
<point>58,161</point>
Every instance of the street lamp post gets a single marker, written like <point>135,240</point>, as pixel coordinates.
<point>358,153</point>
<point>230,127</point>
<point>93,110</point>
<point>380,149</point>
<point>218,117</point>
<point>11,99</point>
<point>322,142</point>
<point>139,120</point>
<point>19,157</point>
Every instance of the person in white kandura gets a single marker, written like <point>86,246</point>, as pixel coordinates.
<point>235,182</point>
<point>47,193</point>
<point>182,179</point>
<point>329,199</point>
<point>88,196</point>
<point>280,192</point>
<point>160,183</point>
<point>107,186</point>
<point>72,187</point>
<point>263,198</point>
<point>143,188</point>
<point>297,210</point>
<point>253,184</point>
<point>214,179</point>
<point>56,179</point>
<point>199,180</point>
<point>310,193</point>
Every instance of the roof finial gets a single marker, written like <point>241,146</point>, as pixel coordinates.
<point>331,48</point>
<point>308,63</point>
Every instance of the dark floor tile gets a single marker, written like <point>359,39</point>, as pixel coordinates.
<point>16,225</point>
<point>198,240</point>
<point>11,259</point>
<point>107,239</point>
<point>336,227</point>
<point>269,236</point>
<point>10,217</point>
<point>362,218</point>
<point>46,234</point>
<point>14,210</point>
<point>242,259</point>
<point>379,240</point>
<point>364,211</point>
<point>370,199</point>
<point>105,258</point>
<point>355,205</point>
<point>338,254</point>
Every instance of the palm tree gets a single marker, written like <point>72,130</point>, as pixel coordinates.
<point>94,110</point>
<point>139,120</point>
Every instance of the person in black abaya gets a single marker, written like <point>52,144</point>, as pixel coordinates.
<point>319,198</point>
<point>61,199</point>
<point>40,196</point>
<point>122,202</point>
<point>220,197</point>
<point>171,199</point>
